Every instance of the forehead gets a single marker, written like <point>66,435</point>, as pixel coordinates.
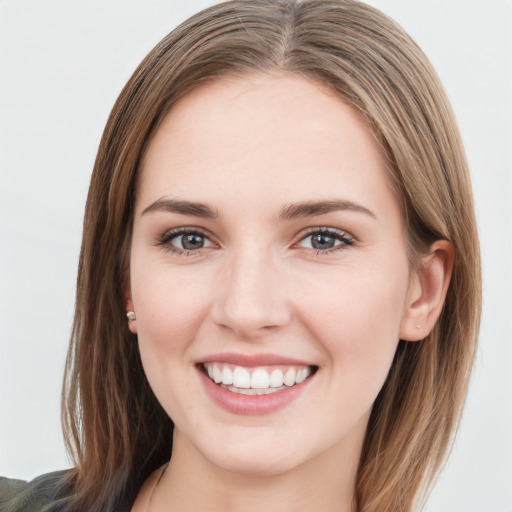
<point>264,135</point>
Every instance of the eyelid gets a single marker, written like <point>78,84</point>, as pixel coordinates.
<point>344,236</point>
<point>182,230</point>
<point>164,240</point>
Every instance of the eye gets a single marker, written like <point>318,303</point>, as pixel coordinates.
<point>326,240</point>
<point>184,240</point>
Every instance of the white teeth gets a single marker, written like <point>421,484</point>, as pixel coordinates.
<point>227,376</point>
<point>217,375</point>
<point>302,375</point>
<point>276,378</point>
<point>261,381</point>
<point>289,377</point>
<point>267,391</point>
<point>241,378</point>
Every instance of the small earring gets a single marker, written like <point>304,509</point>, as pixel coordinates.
<point>418,327</point>
<point>131,316</point>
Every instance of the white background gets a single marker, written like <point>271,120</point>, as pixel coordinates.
<point>63,63</point>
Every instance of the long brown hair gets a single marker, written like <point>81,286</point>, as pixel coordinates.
<point>116,431</point>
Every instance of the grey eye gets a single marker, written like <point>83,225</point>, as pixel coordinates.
<point>323,241</point>
<point>191,241</point>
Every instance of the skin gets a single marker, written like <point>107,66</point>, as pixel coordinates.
<point>249,147</point>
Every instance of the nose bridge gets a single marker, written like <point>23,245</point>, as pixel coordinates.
<point>251,296</point>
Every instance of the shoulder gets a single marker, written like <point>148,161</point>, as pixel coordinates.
<point>38,495</point>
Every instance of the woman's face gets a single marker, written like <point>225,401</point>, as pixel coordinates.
<point>269,251</point>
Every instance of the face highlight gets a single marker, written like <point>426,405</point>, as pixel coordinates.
<point>268,273</point>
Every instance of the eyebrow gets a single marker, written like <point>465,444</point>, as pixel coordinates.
<point>289,212</point>
<point>183,207</point>
<point>312,208</point>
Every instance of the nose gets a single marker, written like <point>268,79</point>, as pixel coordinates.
<point>251,299</point>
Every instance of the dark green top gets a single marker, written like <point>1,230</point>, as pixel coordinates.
<point>39,495</point>
<point>46,493</point>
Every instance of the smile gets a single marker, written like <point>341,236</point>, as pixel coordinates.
<point>257,380</point>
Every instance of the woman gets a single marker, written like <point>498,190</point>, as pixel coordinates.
<point>281,207</point>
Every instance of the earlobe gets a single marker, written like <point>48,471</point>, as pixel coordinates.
<point>130,310</point>
<point>427,292</point>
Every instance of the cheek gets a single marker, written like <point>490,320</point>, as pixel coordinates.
<point>168,302</point>
<point>357,319</point>
<point>169,311</point>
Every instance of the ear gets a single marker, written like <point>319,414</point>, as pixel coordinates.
<point>132,324</point>
<point>427,291</point>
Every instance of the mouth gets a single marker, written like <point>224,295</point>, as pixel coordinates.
<point>258,380</point>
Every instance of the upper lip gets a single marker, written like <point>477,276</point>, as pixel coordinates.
<point>252,360</point>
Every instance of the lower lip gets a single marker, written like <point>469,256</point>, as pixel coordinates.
<point>252,405</point>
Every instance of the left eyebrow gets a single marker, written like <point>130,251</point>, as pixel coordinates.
<point>312,208</point>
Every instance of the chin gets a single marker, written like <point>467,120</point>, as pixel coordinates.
<point>257,466</point>
<point>256,459</point>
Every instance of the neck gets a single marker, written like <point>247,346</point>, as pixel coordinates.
<point>191,482</point>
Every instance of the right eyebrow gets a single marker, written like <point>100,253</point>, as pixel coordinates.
<point>183,207</point>
<point>313,208</point>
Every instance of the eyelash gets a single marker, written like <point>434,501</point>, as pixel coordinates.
<point>165,241</point>
<point>336,234</point>
<point>345,239</point>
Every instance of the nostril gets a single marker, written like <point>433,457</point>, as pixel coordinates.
<point>248,306</point>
